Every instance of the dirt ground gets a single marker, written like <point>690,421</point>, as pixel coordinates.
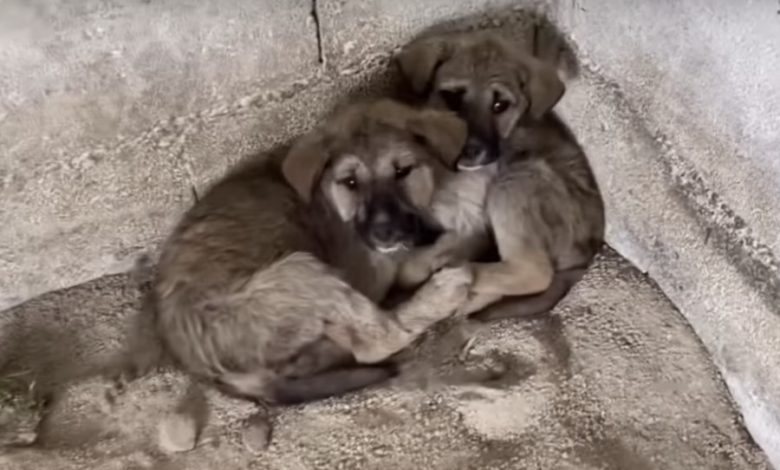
<point>613,379</point>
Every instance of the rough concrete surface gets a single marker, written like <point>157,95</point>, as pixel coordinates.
<point>614,379</point>
<point>688,259</point>
<point>352,30</point>
<point>93,96</point>
<point>682,124</point>
<point>704,74</point>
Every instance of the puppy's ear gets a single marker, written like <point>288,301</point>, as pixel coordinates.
<point>419,60</point>
<point>442,132</point>
<point>541,85</point>
<point>304,163</point>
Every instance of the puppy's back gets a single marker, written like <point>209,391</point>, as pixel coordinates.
<point>243,224</point>
<point>545,164</point>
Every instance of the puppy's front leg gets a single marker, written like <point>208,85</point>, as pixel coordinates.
<point>373,335</point>
<point>451,247</point>
<point>439,298</point>
<point>494,281</point>
<point>426,260</point>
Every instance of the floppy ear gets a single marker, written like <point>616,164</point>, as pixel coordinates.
<point>541,85</point>
<point>442,132</point>
<point>419,60</point>
<point>303,165</point>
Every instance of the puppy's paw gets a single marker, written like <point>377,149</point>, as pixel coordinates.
<point>445,259</point>
<point>452,285</point>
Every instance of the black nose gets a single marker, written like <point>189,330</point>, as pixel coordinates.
<point>473,148</point>
<point>383,226</point>
<point>476,153</point>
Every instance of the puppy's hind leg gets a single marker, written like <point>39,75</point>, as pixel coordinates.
<point>305,302</point>
<point>263,389</point>
<point>329,383</point>
<point>257,429</point>
<point>373,335</point>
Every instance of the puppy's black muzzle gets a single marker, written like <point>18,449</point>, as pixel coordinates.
<point>477,153</point>
<point>390,224</point>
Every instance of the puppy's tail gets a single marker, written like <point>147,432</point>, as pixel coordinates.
<point>329,384</point>
<point>143,350</point>
<point>516,307</point>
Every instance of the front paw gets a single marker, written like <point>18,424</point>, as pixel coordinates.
<point>452,285</point>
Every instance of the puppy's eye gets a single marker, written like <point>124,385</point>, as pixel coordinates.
<point>349,182</point>
<point>402,172</point>
<point>499,104</point>
<point>452,98</point>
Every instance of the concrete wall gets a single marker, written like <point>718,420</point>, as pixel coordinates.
<point>114,114</point>
<point>679,107</point>
<point>98,98</point>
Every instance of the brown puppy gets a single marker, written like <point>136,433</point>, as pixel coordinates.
<point>529,183</point>
<point>268,287</point>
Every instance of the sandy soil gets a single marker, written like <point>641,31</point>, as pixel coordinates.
<point>614,379</point>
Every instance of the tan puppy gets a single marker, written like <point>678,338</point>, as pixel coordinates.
<point>529,183</point>
<point>268,287</point>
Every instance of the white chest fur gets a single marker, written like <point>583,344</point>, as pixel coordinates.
<point>459,202</point>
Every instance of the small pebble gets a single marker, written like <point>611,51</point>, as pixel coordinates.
<point>256,434</point>
<point>178,433</point>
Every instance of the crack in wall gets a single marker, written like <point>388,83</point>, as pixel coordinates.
<point>315,16</point>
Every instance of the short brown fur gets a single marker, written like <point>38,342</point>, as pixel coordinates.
<point>532,187</point>
<point>269,286</point>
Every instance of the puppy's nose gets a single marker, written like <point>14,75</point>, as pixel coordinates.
<point>475,154</point>
<point>382,226</point>
<point>473,149</point>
